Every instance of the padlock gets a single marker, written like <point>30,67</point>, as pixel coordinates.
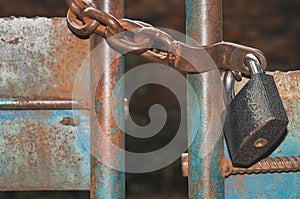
<point>255,121</point>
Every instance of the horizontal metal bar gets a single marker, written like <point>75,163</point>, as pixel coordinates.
<point>267,165</point>
<point>42,105</point>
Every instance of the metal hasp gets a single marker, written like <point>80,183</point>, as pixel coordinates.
<point>204,24</point>
<point>106,183</point>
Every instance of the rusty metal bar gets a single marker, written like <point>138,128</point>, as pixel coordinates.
<point>204,24</point>
<point>43,104</point>
<point>106,182</point>
<point>267,165</point>
<point>277,164</point>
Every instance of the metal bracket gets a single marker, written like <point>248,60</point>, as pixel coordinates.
<point>231,59</point>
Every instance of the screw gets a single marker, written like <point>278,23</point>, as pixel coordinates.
<point>68,121</point>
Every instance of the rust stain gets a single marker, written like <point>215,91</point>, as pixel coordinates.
<point>62,89</point>
<point>68,121</point>
<point>288,84</point>
<point>68,64</point>
<point>56,20</point>
<point>47,60</point>
<point>239,185</point>
<point>14,41</point>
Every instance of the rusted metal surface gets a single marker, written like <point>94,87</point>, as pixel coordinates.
<point>39,62</point>
<point>39,59</point>
<point>275,185</point>
<point>204,24</point>
<point>185,164</point>
<point>70,121</point>
<point>39,153</point>
<point>107,182</point>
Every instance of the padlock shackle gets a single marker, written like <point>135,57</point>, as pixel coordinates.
<point>253,63</point>
<point>229,80</point>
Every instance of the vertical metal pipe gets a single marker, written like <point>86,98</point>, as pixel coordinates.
<point>107,183</point>
<point>203,24</point>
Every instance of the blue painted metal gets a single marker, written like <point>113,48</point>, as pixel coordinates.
<point>275,185</point>
<point>39,153</point>
<point>256,186</point>
<point>205,156</point>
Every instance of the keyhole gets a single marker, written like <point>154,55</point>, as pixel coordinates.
<point>260,142</point>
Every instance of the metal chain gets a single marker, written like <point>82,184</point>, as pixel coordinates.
<point>84,19</point>
<point>125,35</point>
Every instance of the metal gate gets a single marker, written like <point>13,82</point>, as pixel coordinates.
<point>40,120</point>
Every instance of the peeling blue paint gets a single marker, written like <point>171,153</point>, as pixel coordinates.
<point>36,144</point>
<point>205,179</point>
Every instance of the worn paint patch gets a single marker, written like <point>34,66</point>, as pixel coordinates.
<point>277,186</point>
<point>39,153</point>
<point>206,150</point>
<point>39,58</point>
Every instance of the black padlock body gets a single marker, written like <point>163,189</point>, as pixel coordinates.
<point>256,112</point>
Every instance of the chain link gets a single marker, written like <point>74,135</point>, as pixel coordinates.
<point>84,19</point>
